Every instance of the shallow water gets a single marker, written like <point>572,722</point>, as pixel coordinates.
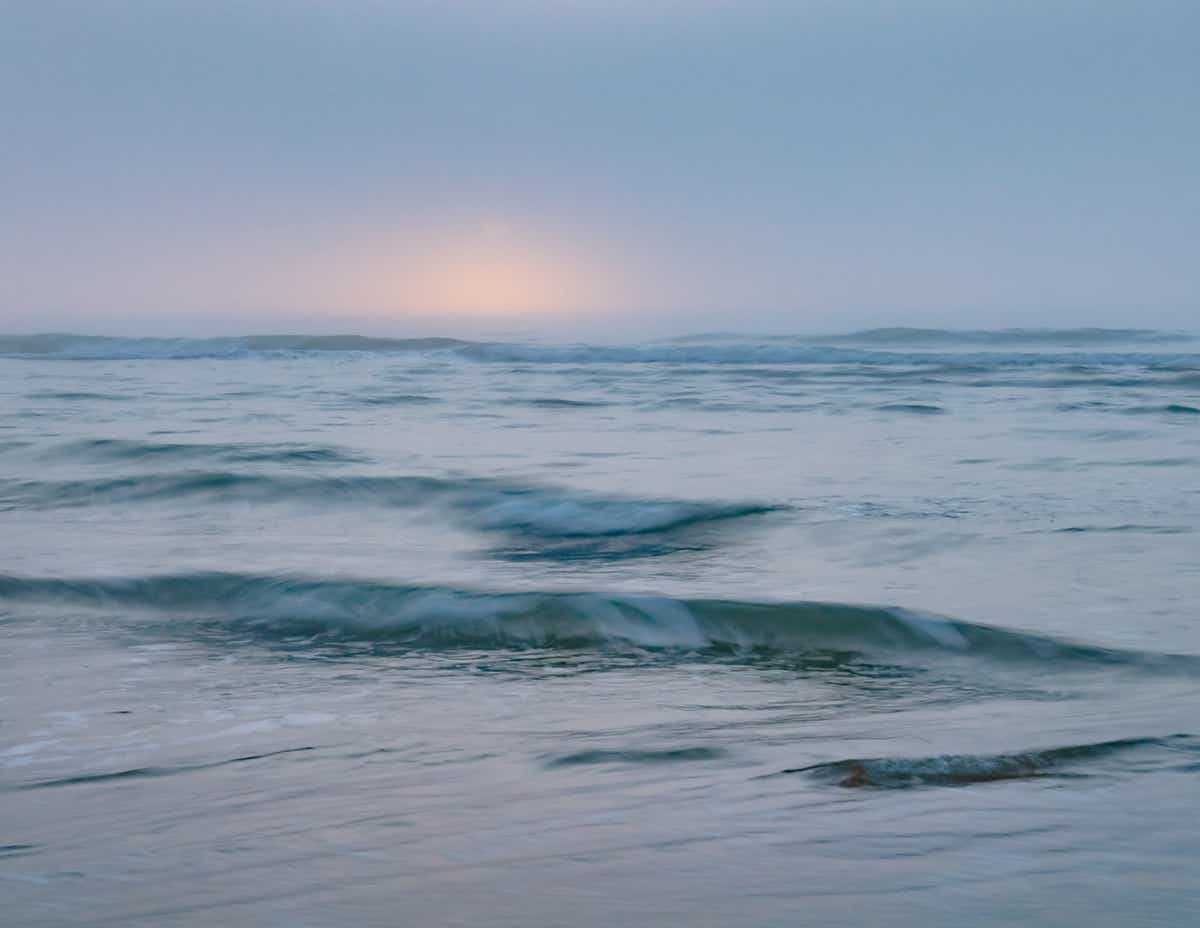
<point>891,628</point>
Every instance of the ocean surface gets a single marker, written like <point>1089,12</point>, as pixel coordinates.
<point>893,628</point>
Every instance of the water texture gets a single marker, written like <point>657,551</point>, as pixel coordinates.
<point>893,627</point>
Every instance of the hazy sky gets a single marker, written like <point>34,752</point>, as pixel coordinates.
<point>191,166</point>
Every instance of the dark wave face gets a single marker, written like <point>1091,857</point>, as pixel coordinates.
<point>117,450</point>
<point>423,617</point>
<point>547,515</point>
<point>1181,751</point>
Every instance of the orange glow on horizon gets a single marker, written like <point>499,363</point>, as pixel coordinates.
<point>487,278</point>
<point>487,269</point>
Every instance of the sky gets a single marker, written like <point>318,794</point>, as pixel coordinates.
<point>214,167</point>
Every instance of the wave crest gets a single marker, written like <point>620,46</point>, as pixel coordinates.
<point>436,617</point>
<point>491,505</point>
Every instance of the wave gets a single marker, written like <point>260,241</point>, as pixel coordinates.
<point>1129,527</point>
<point>555,514</point>
<point>916,336</point>
<point>79,396</point>
<point>762,352</point>
<point>857,360</point>
<point>290,606</point>
<point>347,343</point>
<point>635,756</point>
<point>140,773</point>
<point>491,505</point>
<point>965,769</point>
<point>101,347</point>
<point>917,409</point>
<point>120,449</point>
<point>877,347</point>
<point>394,399</point>
<point>104,347</point>
<point>551,402</point>
<point>1173,409</point>
<point>1078,337</point>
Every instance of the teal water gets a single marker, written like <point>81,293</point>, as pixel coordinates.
<point>892,628</point>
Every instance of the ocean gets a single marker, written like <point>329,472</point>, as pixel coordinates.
<point>896,627</point>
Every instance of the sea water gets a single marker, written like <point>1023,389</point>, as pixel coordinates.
<point>893,628</point>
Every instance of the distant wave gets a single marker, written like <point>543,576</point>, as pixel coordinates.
<point>735,352</point>
<point>1093,360</point>
<point>917,409</point>
<point>542,512</point>
<point>437,617</point>
<point>1132,528</point>
<point>892,347</point>
<point>635,756</point>
<point>1176,409</point>
<point>79,396</point>
<point>393,399</point>
<point>552,402</point>
<point>119,449</point>
<point>965,769</point>
<point>104,347</point>
<point>1088,337</point>
<point>142,773</point>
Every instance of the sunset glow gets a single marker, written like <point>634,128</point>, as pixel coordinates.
<point>485,268</point>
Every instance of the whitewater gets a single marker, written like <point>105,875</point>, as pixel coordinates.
<point>889,627</point>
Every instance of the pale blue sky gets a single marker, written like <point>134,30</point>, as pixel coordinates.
<point>200,165</point>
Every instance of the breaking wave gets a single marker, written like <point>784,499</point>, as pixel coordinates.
<point>966,769</point>
<point>289,606</point>
<point>491,505</point>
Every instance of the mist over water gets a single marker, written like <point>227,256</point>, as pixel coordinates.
<point>896,626</point>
